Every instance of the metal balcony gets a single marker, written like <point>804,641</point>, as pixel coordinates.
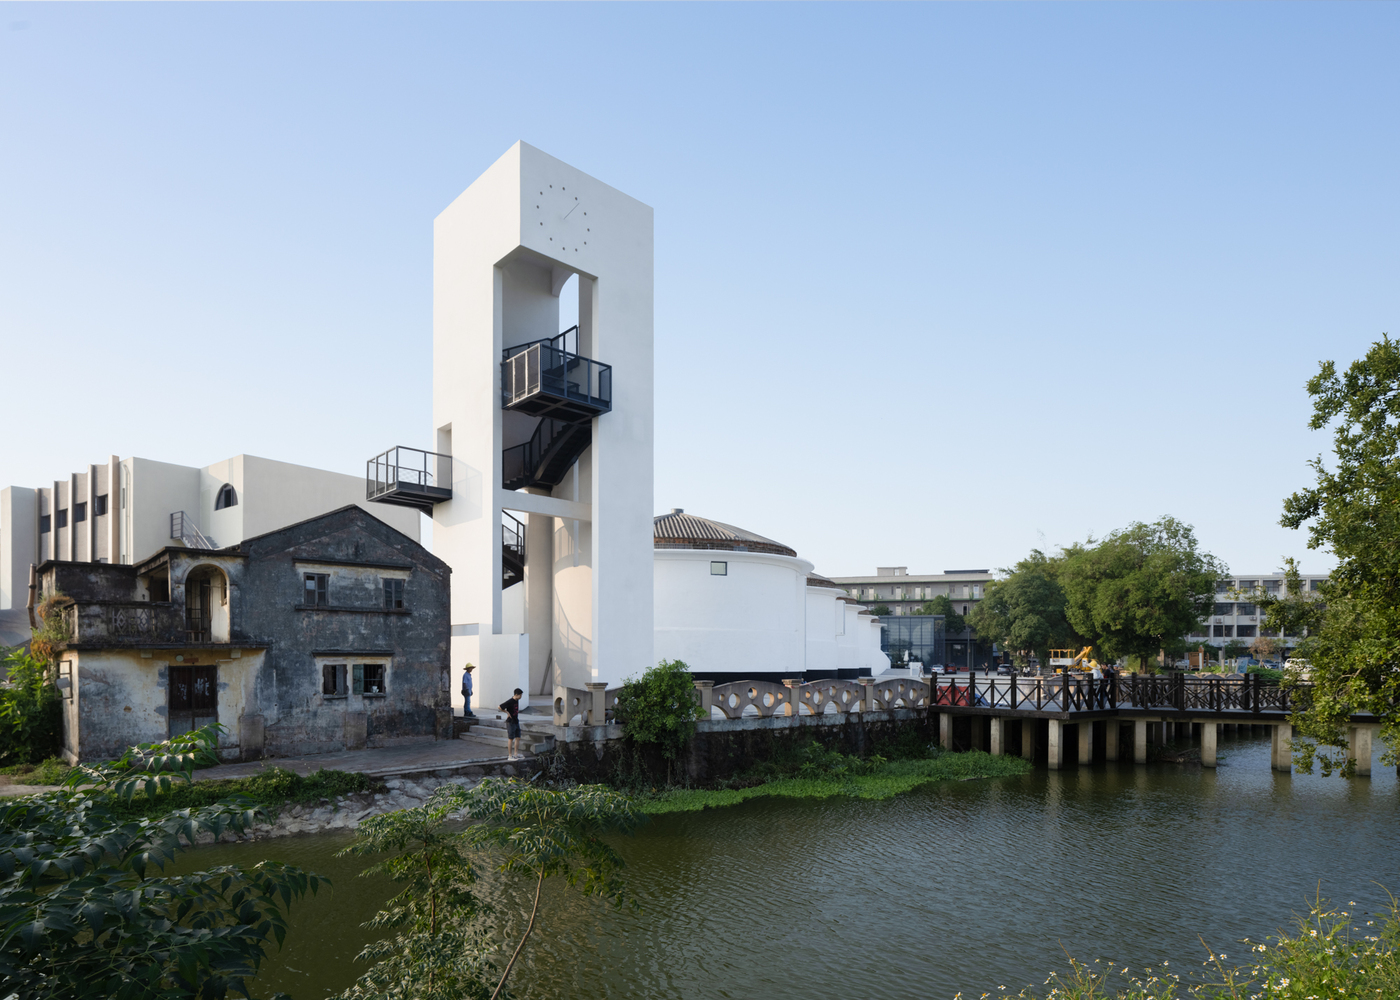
<point>544,379</point>
<point>409,477</point>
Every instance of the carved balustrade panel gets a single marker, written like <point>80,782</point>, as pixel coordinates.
<point>844,696</point>
<point>901,692</point>
<point>766,698</point>
<point>570,704</point>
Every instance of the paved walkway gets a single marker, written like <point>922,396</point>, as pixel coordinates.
<point>437,755</point>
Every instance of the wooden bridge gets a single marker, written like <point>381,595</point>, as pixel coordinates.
<point>1159,708</point>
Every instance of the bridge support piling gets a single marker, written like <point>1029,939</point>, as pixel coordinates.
<point>978,725</point>
<point>1360,741</point>
<point>1028,739</point>
<point>1282,753</point>
<point>1086,742</point>
<point>1208,733</point>
<point>1112,733</point>
<point>1140,741</point>
<point>1057,739</point>
<point>945,730</point>
<point>998,727</point>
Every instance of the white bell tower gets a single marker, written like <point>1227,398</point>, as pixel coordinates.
<point>541,476</point>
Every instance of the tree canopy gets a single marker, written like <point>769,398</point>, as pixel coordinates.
<point>1140,590</point>
<point>953,623</point>
<point>1353,509</point>
<point>1025,612</point>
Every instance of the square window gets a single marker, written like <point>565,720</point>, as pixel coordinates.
<point>369,678</point>
<point>393,594</point>
<point>719,569</point>
<point>63,518</point>
<point>79,513</point>
<point>1224,631</point>
<point>65,679</point>
<point>45,523</point>
<point>1244,631</point>
<point>333,680</point>
<point>1224,609</point>
<point>99,505</point>
<point>1246,609</point>
<point>1222,586</point>
<point>1247,585</point>
<point>316,589</point>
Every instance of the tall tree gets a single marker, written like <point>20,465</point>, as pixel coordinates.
<point>1354,510</point>
<point>953,623</point>
<point>1025,612</point>
<point>1140,589</point>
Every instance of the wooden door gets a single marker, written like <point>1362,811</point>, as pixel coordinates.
<point>193,697</point>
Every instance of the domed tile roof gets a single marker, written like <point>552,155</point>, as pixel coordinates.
<point>679,530</point>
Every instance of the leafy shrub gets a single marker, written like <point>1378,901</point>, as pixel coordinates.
<point>30,711</point>
<point>660,708</point>
<point>53,631</point>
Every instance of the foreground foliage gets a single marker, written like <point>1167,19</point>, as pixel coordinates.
<point>1326,957</point>
<point>30,710</point>
<point>1353,637</point>
<point>441,947</point>
<point>872,779</point>
<point>86,909</point>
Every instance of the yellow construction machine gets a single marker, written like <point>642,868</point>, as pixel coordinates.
<point>1064,660</point>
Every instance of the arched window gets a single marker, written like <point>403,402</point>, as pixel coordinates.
<point>228,497</point>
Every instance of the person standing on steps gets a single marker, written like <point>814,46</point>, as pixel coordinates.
<point>512,710</point>
<point>467,712</point>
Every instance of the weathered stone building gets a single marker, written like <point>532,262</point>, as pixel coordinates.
<point>329,634</point>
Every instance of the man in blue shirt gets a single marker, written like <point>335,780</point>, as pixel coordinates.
<point>467,712</point>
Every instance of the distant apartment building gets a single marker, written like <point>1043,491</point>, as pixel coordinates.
<point>905,593</point>
<point>919,638</point>
<point>126,509</point>
<point>1233,619</point>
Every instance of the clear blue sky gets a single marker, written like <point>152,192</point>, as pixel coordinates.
<point>936,284</point>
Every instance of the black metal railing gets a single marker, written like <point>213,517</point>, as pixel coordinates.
<point>409,476</point>
<point>1155,692</point>
<point>183,529</point>
<point>512,550</point>
<point>543,377</point>
<point>547,456</point>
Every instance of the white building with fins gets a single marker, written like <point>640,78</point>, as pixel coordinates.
<point>125,509</point>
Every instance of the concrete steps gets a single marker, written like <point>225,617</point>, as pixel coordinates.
<point>534,731</point>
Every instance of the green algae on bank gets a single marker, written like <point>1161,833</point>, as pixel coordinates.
<point>889,780</point>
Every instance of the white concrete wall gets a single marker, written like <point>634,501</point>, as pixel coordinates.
<point>751,620</point>
<point>826,614</point>
<point>155,490</point>
<point>19,516</point>
<point>276,494</point>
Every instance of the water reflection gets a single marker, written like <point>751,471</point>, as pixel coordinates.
<point>963,886</point>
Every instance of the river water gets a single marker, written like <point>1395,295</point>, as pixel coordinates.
<point>957,887</point>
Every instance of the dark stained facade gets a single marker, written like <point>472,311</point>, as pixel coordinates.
<point>326,635</point>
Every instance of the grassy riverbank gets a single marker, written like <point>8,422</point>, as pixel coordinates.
<point>272,788</point>
<point>877,779</point>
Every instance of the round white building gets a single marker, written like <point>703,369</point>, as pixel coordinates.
<point>734,605</point>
